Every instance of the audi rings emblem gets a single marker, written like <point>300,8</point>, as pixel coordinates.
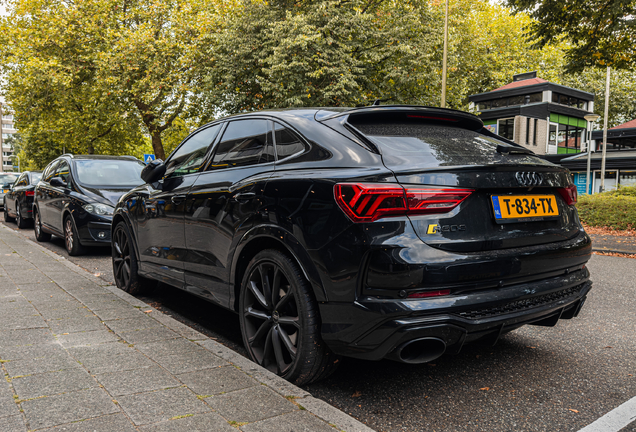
<point>529,179</point>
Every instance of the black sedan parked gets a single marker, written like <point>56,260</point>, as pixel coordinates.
<point>395,232</point>
<point>6,179</point>
<point>76,196</point>
<point>18,201</point>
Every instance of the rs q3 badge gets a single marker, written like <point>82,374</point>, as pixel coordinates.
<point>436,229</point>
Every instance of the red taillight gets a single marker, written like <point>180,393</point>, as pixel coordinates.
<point>569,194</point>
<point>429,294</point>
<point>367,202</point>
<point>29,193</point>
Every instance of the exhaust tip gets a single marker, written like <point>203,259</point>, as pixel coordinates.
<point>422,350</point>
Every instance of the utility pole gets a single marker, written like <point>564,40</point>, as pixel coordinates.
<point>607,90</point>
<point>445,57</point>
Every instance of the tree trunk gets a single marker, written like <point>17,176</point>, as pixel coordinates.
<point>157,145</point>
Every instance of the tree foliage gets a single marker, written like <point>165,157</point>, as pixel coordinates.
<point>324,53</point>
<point>602,32</point>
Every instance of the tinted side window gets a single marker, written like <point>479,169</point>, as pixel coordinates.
<point>287,143</point>
<point>49,172</point>
<point>189,157</point>
<point>245,142</point>
<point>63,171</point>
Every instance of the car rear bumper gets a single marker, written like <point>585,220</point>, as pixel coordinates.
<point>416,331</point>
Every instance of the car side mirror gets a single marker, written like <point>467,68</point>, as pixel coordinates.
<point>58,182</point>
<point>154,171</point>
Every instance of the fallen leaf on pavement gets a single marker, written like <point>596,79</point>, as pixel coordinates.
<point>357,394</point>
<point>573,410</point>
<point>148,311</point>
<point>485,388</point>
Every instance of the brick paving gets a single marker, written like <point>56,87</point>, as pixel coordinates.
<point>78,354</point>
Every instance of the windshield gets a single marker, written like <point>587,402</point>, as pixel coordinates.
<point>35,178</point>
<point>117,173</point>
<point>7,178</point>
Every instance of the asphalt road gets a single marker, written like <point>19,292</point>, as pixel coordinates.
<point>535,379</point>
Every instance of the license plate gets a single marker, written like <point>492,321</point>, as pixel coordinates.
<point>5,190</point>
<point>512,208</point>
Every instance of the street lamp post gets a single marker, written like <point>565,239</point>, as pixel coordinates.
<point>590,118</point>
<point>607,90</point>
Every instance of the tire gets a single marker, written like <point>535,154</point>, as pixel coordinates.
<point>280,322</point>
<point>71,238</point>
<point>19,220</point>
<point>7,218</point>
<point>40,235</point>
<point>125,265</point>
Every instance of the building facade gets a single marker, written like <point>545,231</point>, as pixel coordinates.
<point>545,117</point>
<point>7,130</point>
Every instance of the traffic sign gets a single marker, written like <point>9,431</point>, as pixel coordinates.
<point>149,158</point>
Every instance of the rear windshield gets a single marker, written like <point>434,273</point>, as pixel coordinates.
<point>430,145</point>
<point>116,173</point>
<point>35,178</point>
<point>7,178</point>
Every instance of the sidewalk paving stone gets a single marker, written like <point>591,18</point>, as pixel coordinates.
<point>160,405</point>
<point>67,407</point>
<point>195,423</point>
<point>109,423</point>
<point>250,405</point>
<point>14,423</point>
<point>81,355</point>
<point>40,365</point>
<point>93,337</point>
<point>299,421</point>
<point>52,383</point>
<point>223,379</point>
<point>137,381</point>
<point>191,361</point>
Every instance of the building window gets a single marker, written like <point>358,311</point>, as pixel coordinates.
<point>536,127</point>
<point>510,101</point>
<point>506,128</point>
<point>527,131</point>
<point>570,101</point>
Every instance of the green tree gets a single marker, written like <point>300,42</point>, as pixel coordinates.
<point>602,32</point>
<point>96,75</point>
<point>286,53</point>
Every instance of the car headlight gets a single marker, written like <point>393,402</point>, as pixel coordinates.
<point>99,209</point>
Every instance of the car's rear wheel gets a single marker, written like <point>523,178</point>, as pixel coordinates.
<point>40,235</point>
<point>125,265</point>
<point>280,322</point>
<point>71,238</point>
<point>19,220</point>
<point>7,218</point>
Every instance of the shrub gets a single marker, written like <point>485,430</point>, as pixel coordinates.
<point>614,209</point>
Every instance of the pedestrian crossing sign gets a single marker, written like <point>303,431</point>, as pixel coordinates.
<point>149,158</point>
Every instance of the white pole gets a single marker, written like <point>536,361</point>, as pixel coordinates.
<point>589,156</point>
<point>607,90</point>
<point>445,57</point>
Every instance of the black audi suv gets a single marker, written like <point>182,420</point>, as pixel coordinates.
<point>76,195</point>
<point>18,201</point>
<point>397,232</point>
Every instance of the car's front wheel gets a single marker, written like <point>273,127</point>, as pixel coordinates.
<point>280,322</point>
<point>71,238</point>
<point>125,265</point>
<point>7,218</point>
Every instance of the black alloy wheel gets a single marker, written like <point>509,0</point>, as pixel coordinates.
<point>7,218</point>
<point>19,220</point>
<point>125,265</point>
<point>40,235</point>
<point>280,321</point>
<point>71,239</point>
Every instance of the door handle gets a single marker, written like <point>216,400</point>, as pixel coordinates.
<point>244,196</point>
<point>177,199</point>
